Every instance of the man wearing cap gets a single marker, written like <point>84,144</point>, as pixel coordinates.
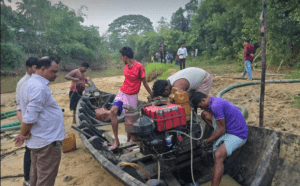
<point>231,130</point>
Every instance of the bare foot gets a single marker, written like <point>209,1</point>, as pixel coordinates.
<point>115,145</point>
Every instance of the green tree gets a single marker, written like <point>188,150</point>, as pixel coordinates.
<point>190,9</point>
<point>178,21</point>
<point>41,28</point>
<point>162,25</point>
<point>125,26</point>
<point>147,45</point>
<point>11,53</point>
<point>173,39</point>
<point>131,41</point>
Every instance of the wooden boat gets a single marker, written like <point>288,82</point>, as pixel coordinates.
<point>268,158</point>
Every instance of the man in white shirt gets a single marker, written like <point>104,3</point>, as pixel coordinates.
<point>191,80</point>
<point>43,123</point>
<point>182,52</point>
<point>30,65</point>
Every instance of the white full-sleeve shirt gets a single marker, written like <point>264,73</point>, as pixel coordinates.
<point>182,52</point>
<point>19,84</point>
<point>41,110</point>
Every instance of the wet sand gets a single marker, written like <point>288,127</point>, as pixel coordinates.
<point>279,115</point>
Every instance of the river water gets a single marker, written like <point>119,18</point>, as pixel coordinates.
<point>9,83</point>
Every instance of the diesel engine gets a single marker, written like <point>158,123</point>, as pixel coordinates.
<point>165,128</point>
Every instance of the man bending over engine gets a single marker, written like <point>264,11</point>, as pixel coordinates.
<point>134,73</point>
<point>231,130</point>
<point>190,80</point>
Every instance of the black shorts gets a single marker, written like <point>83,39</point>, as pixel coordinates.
<point>74,98</point>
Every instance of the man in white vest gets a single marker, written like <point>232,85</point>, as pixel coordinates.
<point>191,80</point>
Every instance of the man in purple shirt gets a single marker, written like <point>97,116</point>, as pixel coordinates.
<point>231,130</point>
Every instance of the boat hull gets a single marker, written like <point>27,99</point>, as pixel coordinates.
<point>268,158</point>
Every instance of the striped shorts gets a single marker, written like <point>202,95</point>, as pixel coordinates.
<point>205,84</point>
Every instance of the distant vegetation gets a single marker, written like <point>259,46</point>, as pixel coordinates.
<point>216,28</point>
<point>38,28</point>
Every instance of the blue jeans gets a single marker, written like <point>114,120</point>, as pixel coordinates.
<point>247,69</point>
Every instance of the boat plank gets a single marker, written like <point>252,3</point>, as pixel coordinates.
<point>134,156</point>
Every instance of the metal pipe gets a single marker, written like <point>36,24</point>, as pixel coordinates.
<point>10,128</point>
<point>263,65</point>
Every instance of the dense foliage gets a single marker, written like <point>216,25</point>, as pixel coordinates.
<point>38,28</point>
<point>125,26</point>
<point>217,28</point>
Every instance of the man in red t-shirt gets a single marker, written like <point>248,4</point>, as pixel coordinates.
<point>134,73</point>
<point>249,51</point>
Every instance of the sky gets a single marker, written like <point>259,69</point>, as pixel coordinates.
<point>101,13</point>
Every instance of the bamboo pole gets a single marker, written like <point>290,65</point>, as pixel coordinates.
<point>280,66</point>
<point>263,61</point>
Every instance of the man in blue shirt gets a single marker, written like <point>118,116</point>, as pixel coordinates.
<point>231,130</point>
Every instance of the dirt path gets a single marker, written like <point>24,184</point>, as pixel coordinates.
<point>85,170</point>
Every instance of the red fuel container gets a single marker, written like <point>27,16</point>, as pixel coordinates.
<point>166,116</point>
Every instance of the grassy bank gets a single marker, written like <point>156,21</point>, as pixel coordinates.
<point>159,70</point>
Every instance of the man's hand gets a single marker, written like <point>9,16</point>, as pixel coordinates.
<point>20,138</point>
<point>252,55</point>
<point>76,79</point>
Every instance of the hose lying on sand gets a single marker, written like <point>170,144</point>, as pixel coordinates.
<point>11,124</point>
<point>10,128</point>
<point>243,109</point>
<point>14,125</point>
<point>8,114</point>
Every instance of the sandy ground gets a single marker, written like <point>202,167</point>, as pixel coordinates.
<point>279,115</point>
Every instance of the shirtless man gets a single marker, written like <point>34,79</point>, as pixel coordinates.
<point>191,80</point>
<point>78,80</point>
